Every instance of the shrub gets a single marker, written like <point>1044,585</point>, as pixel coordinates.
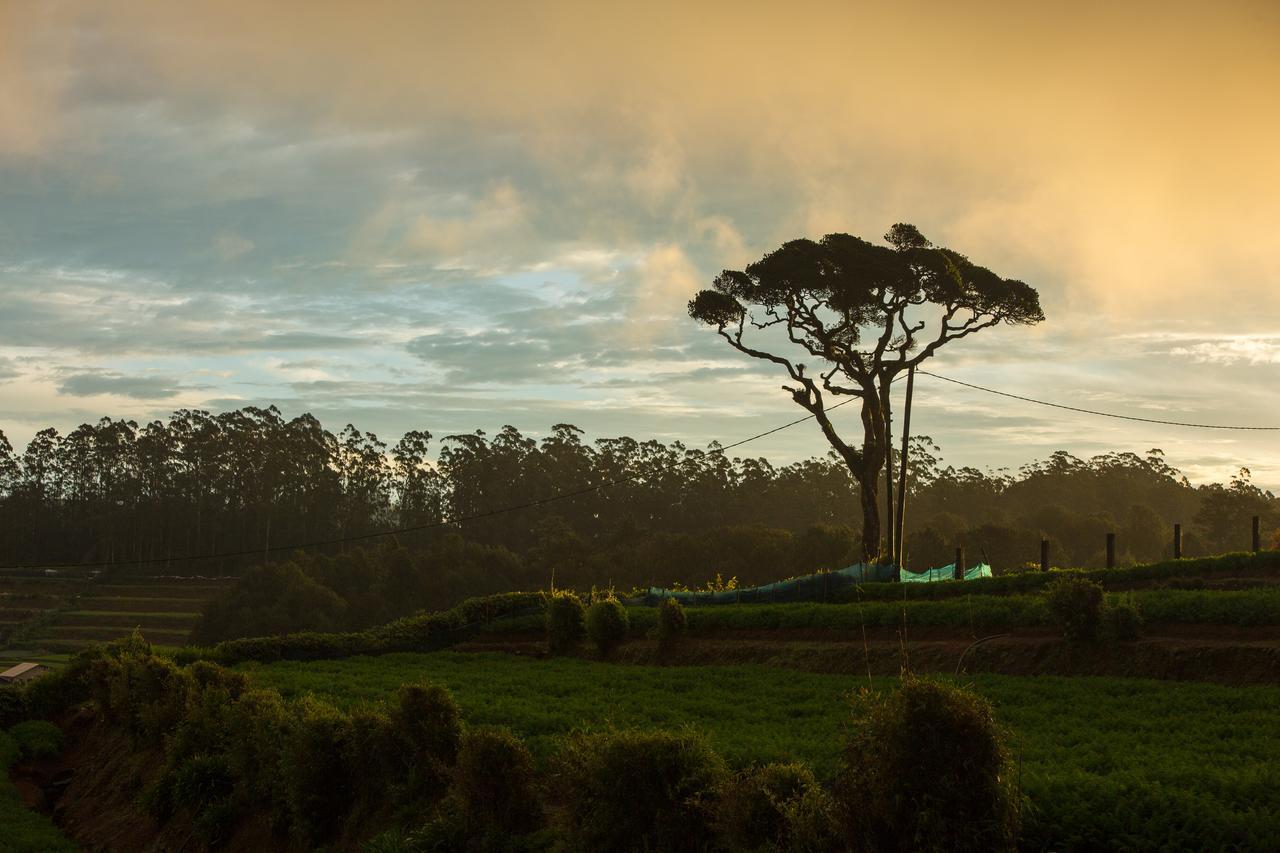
<point>926,768</point>
<point>493,784</point>
<point>607,624</point>
<point>566,622</point>
<point>641,791</point>
<point>13,705</point>
<point>777,807</point>
<point>671,620</point>
<point>429,725</point>
<point>37,739</point>
<point>317,786</point>
<point>9,751</point>
<point>1075,605</point>
<point>1123,621</point>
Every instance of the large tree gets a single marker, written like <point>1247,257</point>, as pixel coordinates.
<point>866,313</point>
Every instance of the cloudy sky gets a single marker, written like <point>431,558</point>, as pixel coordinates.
<point>458,216</point>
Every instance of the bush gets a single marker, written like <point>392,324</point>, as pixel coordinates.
<point>777,807</point>
<point>9,751</point>
<point>317,786</point>
<point>1123,621</point>
<point>638,791</point>
<point>429,725</point>
<point>671,620</point>
<point>1075,605</point>
<point>37,739</point>
<point>566,622</point>
<point>926,768</point>
<point>493,784</point>
<point>607,624</point>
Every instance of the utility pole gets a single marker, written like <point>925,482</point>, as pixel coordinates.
<point>888,477</point>
<point>900,544</point>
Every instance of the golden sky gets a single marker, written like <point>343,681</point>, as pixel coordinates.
<point>1122,157</point>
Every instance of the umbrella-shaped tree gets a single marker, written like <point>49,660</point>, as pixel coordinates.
<point>843,316</point>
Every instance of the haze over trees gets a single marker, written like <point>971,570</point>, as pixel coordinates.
<point>250,480</point>
<point>868,313</point>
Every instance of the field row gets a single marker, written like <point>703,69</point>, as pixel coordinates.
<point>1240,608</point>
<point>1106,762</point>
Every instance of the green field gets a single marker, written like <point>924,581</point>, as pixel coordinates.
<point>1239,608</point>
<point>1103,760</point>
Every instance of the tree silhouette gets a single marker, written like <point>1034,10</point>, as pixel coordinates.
<point>868,313</point>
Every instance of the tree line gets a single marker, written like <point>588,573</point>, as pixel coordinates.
<point>642,511</point>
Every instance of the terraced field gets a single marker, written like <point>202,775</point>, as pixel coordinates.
<point>43,618</point>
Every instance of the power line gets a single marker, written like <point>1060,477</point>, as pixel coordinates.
<point>1091,411</point>
<point>361,537</point>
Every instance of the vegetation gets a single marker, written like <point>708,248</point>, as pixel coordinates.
<point>566,621</point>
<point>607,624</point>
<point>672,621</point>
<point>638,790</point>
<point>927,768</point>
<point>1090,777</point>
<point>1075,605</point>
<point>23,830</point>
<point>846,302</point>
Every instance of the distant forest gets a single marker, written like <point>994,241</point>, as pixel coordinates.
<point>250,480</point>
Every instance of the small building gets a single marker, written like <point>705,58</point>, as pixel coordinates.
<point>22,672</point>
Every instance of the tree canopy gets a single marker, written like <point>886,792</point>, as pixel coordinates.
<point>866,313</point>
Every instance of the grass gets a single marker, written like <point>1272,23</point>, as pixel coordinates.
<point>1102,760</point>
<point>22,830</point>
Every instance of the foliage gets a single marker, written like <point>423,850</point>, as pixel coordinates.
<point>1122,620</point>
<point>23,830</point>
<point>493,793</point>
<point>566,621</point>
<point>37,739</point>
<point>637,791</point>
<point>776,807</point>
<point>607,624</point>
<point>1075,605</point>
<point>672,622</point>
<point>429,725</point>
<point>926,768</point>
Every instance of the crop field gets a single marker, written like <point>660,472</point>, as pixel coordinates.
<point>43,615</point>
<point>1103,761</point>
<point>1239,608</point>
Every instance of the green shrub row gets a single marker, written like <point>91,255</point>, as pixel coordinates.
<point>1262,563</point>
<point>324,776</point>
<point>423,632</point>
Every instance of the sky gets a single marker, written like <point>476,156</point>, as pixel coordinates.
<point>458,216</point>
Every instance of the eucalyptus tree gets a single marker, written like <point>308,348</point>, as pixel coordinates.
<point>844,317</point>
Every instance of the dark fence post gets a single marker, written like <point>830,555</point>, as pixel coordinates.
<point>1177,542</point>
<point>1044,555</point>
<point>959,567</point>
<point>1111,550</point>
<point>1257,533</point>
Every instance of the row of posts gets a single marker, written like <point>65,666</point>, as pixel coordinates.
<point>1111,548</point>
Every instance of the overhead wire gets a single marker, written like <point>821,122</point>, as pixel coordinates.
<point>560,496</point>
<point>1092,411</point>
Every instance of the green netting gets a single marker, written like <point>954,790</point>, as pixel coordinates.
<point>945,573</point>
<point>818,587</point>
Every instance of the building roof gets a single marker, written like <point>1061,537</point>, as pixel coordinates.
<point>19,669</point>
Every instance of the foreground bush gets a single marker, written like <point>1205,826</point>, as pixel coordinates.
<point>926,768</point>
<point>493,783</point>
<point>638,791</point>
<point>607,624</point>
<point>671,621</point>
<point>1075,605</point>
<point>566,622</point>
<point>1122,620</point>
<point>37,739</point>
<point>777,807</point>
